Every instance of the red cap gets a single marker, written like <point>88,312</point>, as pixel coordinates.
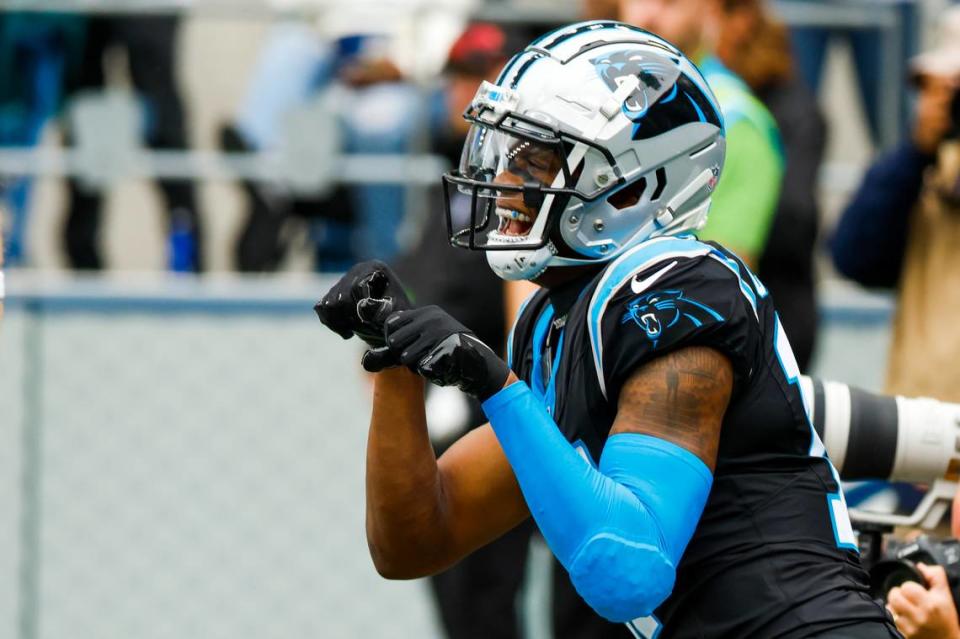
<point>479,49</point>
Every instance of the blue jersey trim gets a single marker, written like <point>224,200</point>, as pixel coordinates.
<point>834,498</point>
<point>734,266</point>
<point>539,334</point>
<point>792,373</point>
<point>546,395</point>
<point>550,398</point>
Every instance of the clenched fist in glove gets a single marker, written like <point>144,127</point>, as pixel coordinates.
<point>444,351</point>
<point>359,304</point>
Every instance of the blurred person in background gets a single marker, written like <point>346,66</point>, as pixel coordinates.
<point>928,610</point>
<point>746,198</point>
<point>756,46</point>
<point>39,54</point>
<point>925,612</point>
<point>294,65</point>
<point>902,229</point>
<point>866,37</point>
<point>600,9</point>
<point>378,111</point>
<point>150,44</point>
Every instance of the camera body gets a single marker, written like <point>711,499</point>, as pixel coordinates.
<point>899,565</point>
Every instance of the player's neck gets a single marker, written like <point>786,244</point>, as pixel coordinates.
<point>564,284</point>
<point>559,277</point>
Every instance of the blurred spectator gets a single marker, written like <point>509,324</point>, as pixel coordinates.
<point>379,113</point>
<point>925,612</point>
<point>150,44</point>
<point>746,197</point>
<point>811,43</point>
<point>902,228</point>
<point>754,45</point>
<point>928,611</point>
<point>599,9</point>
<point>383,114</point>
<point>293,66</point>
<point>38,53</point>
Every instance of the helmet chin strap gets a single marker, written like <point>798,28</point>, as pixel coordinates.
<point>521,264</point>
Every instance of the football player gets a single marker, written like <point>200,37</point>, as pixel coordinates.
<point>649,414</point>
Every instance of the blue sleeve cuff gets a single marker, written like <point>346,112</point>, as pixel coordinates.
<point>496,402</point>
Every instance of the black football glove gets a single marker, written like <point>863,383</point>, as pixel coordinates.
<point>444,351</point>
<point>359,304</point>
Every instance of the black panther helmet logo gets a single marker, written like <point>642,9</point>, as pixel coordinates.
<point>665,98</point>
<point>658,311</point>
<point>613,68</point>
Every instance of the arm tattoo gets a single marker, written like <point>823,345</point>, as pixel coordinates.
<point>680,397</point>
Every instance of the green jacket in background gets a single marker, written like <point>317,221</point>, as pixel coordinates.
<point>745,200</point>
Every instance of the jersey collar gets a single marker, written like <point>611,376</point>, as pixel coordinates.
<point>564,297</point>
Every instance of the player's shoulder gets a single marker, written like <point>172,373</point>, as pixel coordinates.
<point>682,262</point>
<point>668,293</point>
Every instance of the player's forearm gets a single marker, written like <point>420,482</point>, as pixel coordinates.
<point>631,516</point>
<point>404,507</point>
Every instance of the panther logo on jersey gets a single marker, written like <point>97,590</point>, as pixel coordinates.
<point>658,311</point>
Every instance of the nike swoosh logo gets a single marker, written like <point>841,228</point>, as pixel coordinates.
<point>638,285</point>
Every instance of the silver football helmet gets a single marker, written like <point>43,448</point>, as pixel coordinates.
<point>594,138</point>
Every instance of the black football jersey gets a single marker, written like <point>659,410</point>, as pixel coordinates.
<point>774,554</point>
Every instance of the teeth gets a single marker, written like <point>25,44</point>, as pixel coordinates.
<point>509,214</point>
<point>503,238</point>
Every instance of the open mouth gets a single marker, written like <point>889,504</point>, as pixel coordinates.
<point>514,223</point>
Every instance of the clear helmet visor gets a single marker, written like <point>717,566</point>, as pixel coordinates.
<point>503,158</point>
<point>505,175</point>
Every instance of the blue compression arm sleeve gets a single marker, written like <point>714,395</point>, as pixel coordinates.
<point>619,531</point>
